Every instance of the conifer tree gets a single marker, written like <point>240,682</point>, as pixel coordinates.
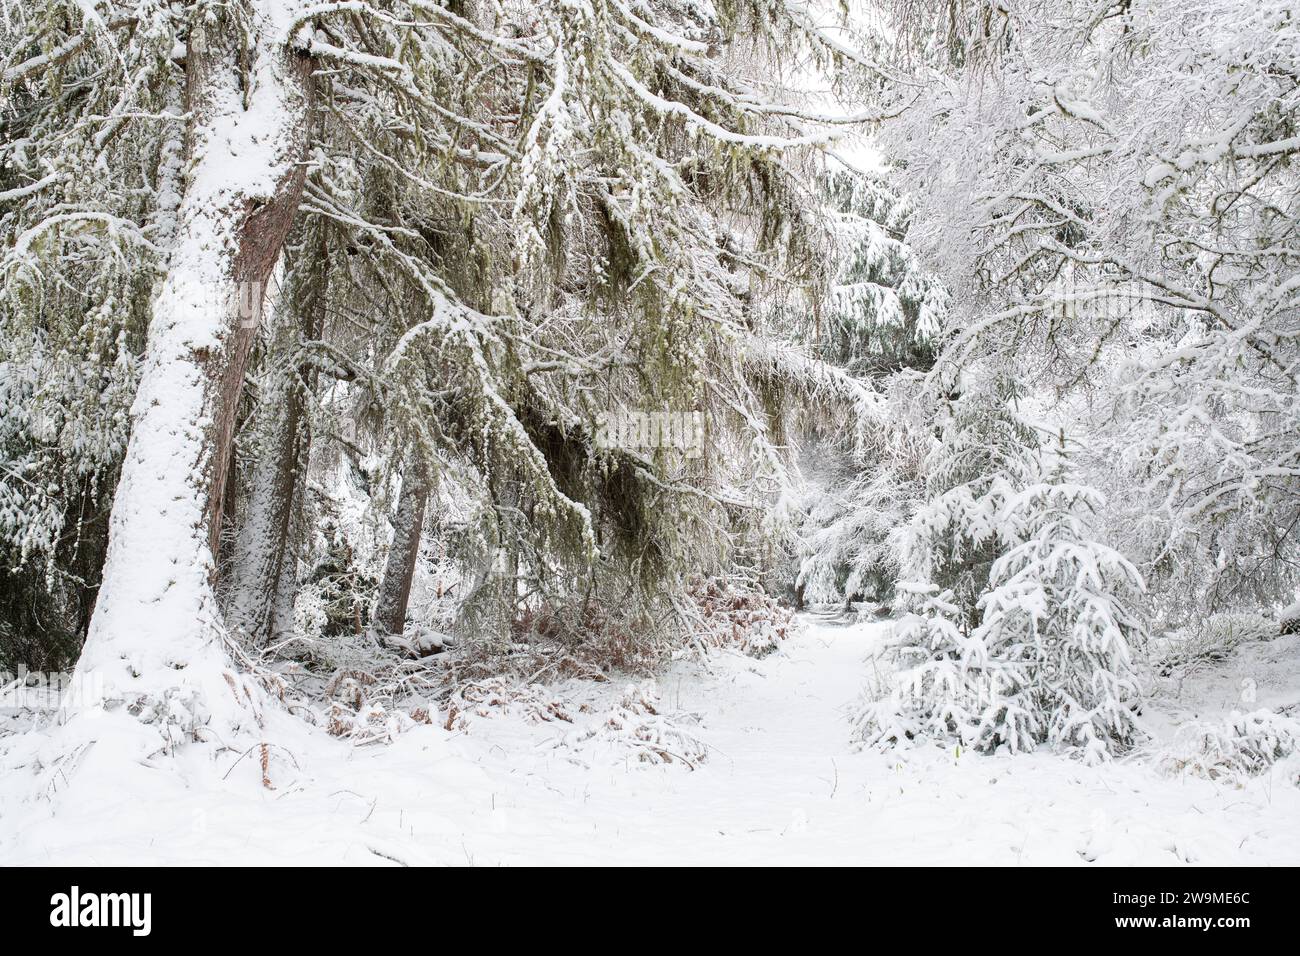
<point>539,212</point>
<point>1062,611</point>
<point>1045,653</point>
<point>881,323</point>
<point>950,683</point>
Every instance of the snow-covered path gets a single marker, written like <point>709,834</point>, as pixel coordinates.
<point>782,785</point>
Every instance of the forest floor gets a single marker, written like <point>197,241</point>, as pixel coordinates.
<point>780,783</point>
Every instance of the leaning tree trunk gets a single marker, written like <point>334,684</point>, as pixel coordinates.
<point>261,589</point>
<point>155,642</point>
<point>408,522</point>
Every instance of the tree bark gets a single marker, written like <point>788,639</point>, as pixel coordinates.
<point>408,522</point>
<point>155,641</point>
<point>261,592</point>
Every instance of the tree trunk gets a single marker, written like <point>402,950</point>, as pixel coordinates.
<point>155,641</point>
<point>261,548</point>
<point>408,522</point>
<point>261,594</point>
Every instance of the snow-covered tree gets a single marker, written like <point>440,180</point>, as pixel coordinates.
<point>1109,195</point>
<point>982,459</point>
<point>861,485</point>
<point>1064,610</point>
<point>885,310</point>
<point>1049,658</point>
<point>525,215</point>
<point>882,324</point>
<point>950,683</point>
<point>82,239</point>
<point>1110,192</point>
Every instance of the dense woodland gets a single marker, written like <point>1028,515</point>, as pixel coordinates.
<point>314,319</point>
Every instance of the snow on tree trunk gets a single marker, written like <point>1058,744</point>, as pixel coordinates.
<point>395,590</point>
<point>155,643</point>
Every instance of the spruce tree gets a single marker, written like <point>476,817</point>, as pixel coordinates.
<point>880,323</point>
<point>1063,612</point>
<point>1031,637</point>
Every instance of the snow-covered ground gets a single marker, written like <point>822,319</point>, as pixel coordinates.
<point>781,784</point>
